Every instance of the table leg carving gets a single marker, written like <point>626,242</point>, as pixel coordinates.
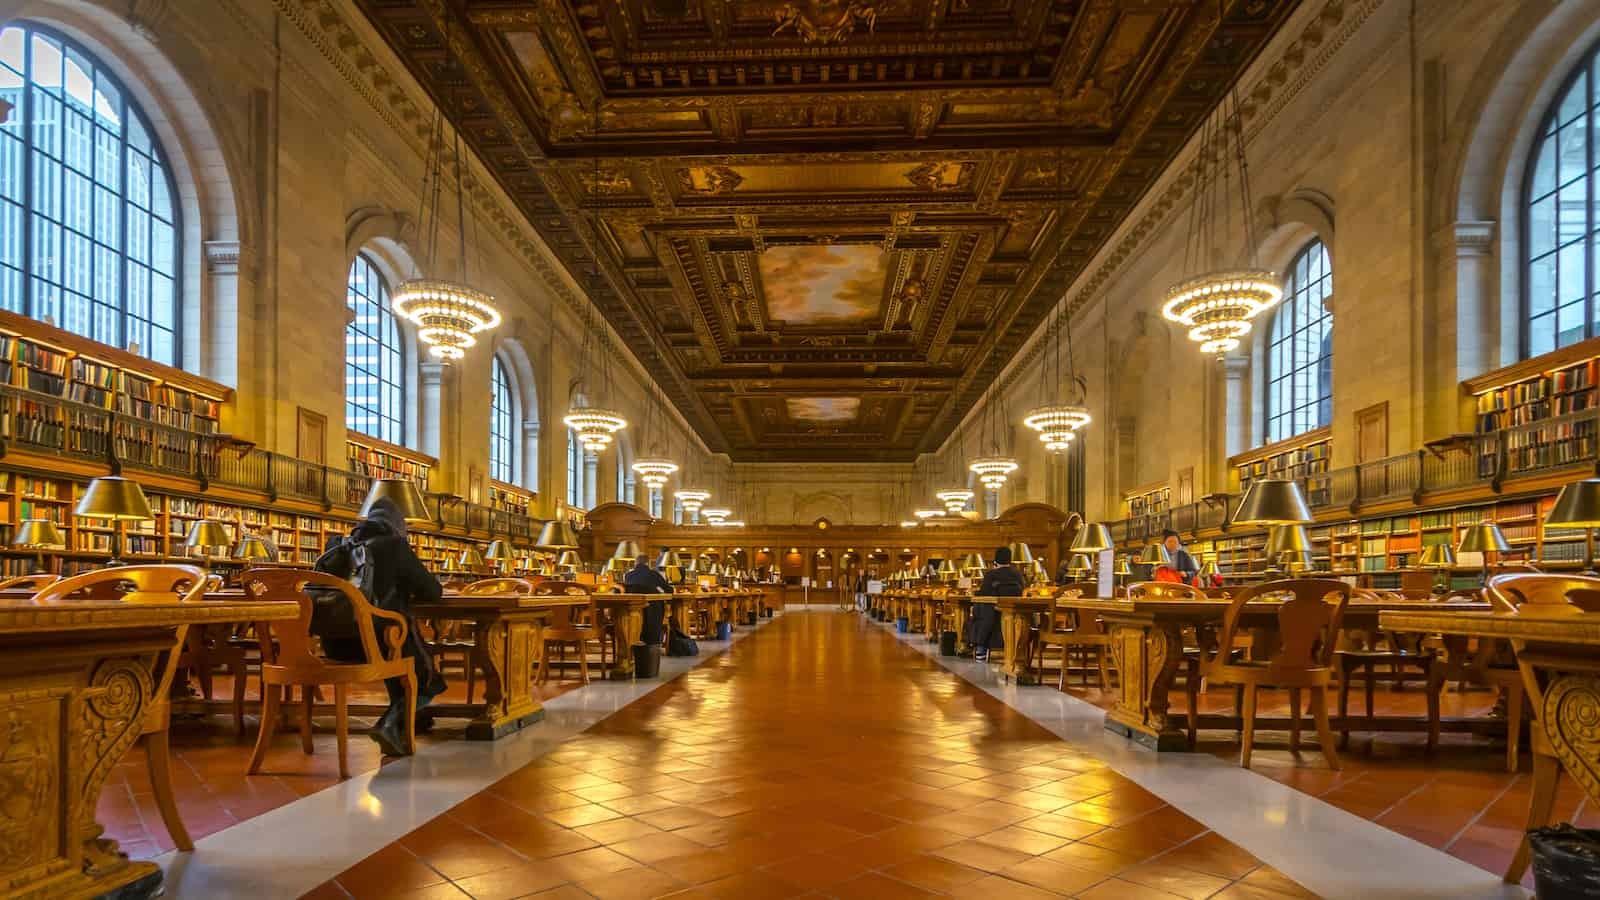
<point>1165,649</point>
<point>1147,659</point>
<point>629,625</point>
<point>505,651</point>
<point>1014,631</point>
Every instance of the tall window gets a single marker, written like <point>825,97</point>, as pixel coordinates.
<point>502,446</point>
<point>1560,221</point>
<point>575,472</point>
<point>1300,349</point>
<point>374,394</point>
<point>88,224</point>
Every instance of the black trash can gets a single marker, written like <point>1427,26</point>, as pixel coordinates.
<point>766,612</point>
<point>1566,862</point>
<point>947,643</point>
<point>751,618</point>
<point>646,660</point>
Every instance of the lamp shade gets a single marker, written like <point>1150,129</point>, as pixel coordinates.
<point>666,559</point>
<point>947,570</point>
<point>453,564</point>
<point>403,493</point>
<point>471,558</point>
<point>39,534</point>
<point>972,563</point>
<point>1021,553</point>
<point>569,560</point>
<point>1091,539</point>
<point>207,536</point>
<point>1155,555</point>
<point>1288,539</point>
<point>557,534</point>
<point>1123,568</point>
<point>1272,501</point>
<point>111,497</point>
<point>254,548</point>
<point>499,551</point>
<point>627,551</point>
<point>1483,537</point>
<point>1209,567</point>
<point>1079,564</point>
<point>1437,556</point>
<point>1577,506</point>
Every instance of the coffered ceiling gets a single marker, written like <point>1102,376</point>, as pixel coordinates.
<point>825,224</point>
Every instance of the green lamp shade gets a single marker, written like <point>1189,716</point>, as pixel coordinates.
<point>111,497</point>
<point>403,493</point>
<point>1091,539</point>
<point>1272,501</point>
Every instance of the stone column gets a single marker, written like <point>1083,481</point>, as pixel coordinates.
<point>530,456</point>
<point>1473,335</point>
<point>591,481</point>
<point>1236,396</point>
<point>437,414</point>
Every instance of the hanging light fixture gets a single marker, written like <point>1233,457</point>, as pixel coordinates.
<point>595,426</point>
<point>1060,417</point>
<point>954,499</point>
<point>654,471</point>
<point>716,516</point>
<point>449,315</point>
<point>927,512</point>
<point>692,499</point>
<point>993,467</point>
<point>1217,305</point>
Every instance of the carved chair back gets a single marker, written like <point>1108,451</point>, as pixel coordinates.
<point>28,582</point>
<point>1309,619</point>
<point>292,645</point>
<point>493,586</point>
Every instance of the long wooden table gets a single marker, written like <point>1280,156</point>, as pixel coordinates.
<point>76,680</point>
<point>508,632</point>
<point>1559,655</point>
<point>1147,647</point>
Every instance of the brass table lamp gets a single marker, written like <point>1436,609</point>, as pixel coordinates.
<point>1578,506</point>
<point>1209,571</point>
<point>1272,501</point>
<point>1021,554</point>
<point>627,552</point>
<point>1078,566</point>
<point>452,565</point>
<point>404,493</point>
<point>499,555</point>
<point>1122,572</point>
<point>972,565</point>
<point>116,499</point>
<point>947,571</point>
<point>557,534</point>
<point>1484,538</point>
<point>208,536</point>
<point>472,559</point>
<point>1439,557</point>
<point>39,535</point>
<point>1288,544</point>
<point>569,561</point>
<point>1091,539</point>
<point>253,549</point>
<point>1155,555</point>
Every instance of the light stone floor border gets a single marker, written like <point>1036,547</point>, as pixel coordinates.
<point>1330,852</point>
<point>288,851</point>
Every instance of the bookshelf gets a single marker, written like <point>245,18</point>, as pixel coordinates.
<point>509,498</point>
<point>1150,500</point>
<point>1304,458</point>
<point>1538,398</point>
<point>372,458</point>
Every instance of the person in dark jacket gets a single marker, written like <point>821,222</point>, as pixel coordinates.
<point>1182,560</point>
<point>1001,581</point>
<point>399,580</point>
<point>641,579</point>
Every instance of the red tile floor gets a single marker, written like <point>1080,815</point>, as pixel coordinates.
<point>819,759</point>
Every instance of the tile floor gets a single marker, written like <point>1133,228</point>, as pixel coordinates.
<point>819,758</point>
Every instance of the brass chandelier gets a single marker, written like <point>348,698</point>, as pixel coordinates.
<point>653,470</point>
<point>1217,306</point>
<point>993,467</point>
<point>449,315</point>
<point>955,500</point>
<point>595,426</point>
<point>1059,419</point>
<point>692,498</point>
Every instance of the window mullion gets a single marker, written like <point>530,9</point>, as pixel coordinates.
<point>26,109</point>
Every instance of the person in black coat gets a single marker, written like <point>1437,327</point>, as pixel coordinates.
<point>1001,581</point>
<point>641,579</point>
<point>399,580</point>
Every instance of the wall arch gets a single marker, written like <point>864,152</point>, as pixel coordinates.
<point>525,384</point>
<point>381,235</point>
<point>217,214</point>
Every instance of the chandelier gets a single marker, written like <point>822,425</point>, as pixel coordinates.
<point>1056,424</point>
<point>1218,305</point>
<point>448,314</point>
<point>954,500</point>
<point>992,470</point>
<point>692,499</point>
<point>595,427</point>
<point>654,471</point>
<point>716,516</point>
<point>1217,308</point>
<point>927,512</point>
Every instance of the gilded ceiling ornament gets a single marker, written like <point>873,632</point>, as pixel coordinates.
<point>709,179</point>
<point>942,176</point>
<point>815,21</point>
<point>1089,105</point>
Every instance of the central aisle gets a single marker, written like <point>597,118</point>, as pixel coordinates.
<point>818,757</point>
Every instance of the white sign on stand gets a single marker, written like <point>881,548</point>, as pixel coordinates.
<point>874,587</point>
<point>1106,578</point>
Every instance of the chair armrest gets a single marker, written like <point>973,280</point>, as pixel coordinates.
<point>395,637</point>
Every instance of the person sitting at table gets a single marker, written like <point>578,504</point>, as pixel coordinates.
<point>377,556</point>
<point>1001,581</point>
<point>641,579</point>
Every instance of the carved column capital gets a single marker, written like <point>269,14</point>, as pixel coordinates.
<point>530,428</point>
<point>1469,238</point>
<point>1235,367</point>
<point>222,257</point>
<point>434,374</point>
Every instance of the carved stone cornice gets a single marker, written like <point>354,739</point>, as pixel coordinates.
<point>222,257</point>
<point>1470,239</point>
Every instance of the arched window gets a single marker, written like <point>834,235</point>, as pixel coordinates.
<point>1559,218</point>
<point>374,391</point>
<point>502,413</point>
<point>1300,349</point>
<point>88,221</point>
<point>575,472</point>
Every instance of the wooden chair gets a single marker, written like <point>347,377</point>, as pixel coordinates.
<point>290,657</point>
<point>32,582</point>
<point>133,584</point>
<point>1193,652</point>
<point>492,586</point>
<point>1085,634</point>
<point>1308,630</point>
<point>565,629</point>
<point>454,640</point>
<point>1547,596</point>
<point>1402,652</point>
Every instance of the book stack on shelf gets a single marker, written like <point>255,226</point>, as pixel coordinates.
<point>506,498</point>
<point>1538,408</point>
<point>373,458</point>
<point>1304,459</point>
<point>1150,501</point>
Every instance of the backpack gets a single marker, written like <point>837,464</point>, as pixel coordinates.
<point>332,616</point>
<point>680,644</point>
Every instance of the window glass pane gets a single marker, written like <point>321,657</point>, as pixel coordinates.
<point>1572,104</point>
<point>373,387</point>
<point>95,175</point>
<point>1299,356</point>
<point>502,449</point>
